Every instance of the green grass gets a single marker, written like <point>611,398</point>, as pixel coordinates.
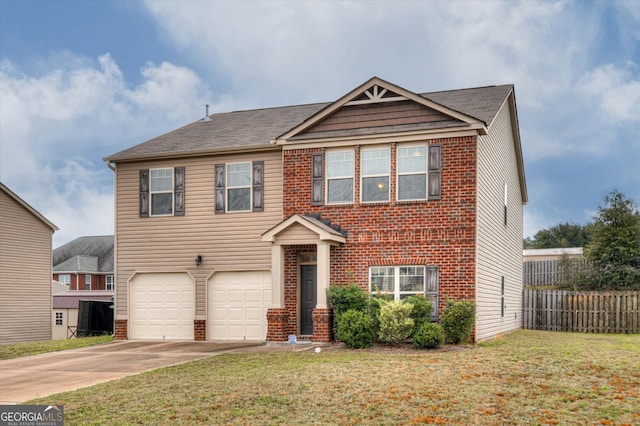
<point>525,378</point>
<point>17,350</point>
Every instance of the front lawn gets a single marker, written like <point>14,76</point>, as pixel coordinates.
<point>17,350</point>
<point>526,378</point>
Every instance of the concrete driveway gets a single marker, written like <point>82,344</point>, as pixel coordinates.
<point>23,379</point>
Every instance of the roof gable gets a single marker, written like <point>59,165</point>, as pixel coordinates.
<point>316,226</point>
<point>27,207</point>
<point>394,109</point>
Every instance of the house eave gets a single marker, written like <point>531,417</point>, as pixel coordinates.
<point>190,154</point>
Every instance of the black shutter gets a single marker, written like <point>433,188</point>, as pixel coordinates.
<point>317,179</point>
<point>219,188</point>
<point>144,193</point>
<point>435,171</point>
<point>179,191</point>
<point>431,289</point>
<point>258,186</point>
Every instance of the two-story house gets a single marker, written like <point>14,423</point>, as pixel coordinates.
<point>85,264</point>
<point>234,227</point>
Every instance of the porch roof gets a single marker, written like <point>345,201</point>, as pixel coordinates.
<point>324,231</point>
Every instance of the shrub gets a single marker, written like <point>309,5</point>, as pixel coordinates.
<point>396,323</point>
<point>355,329</point>
<point>421,312</point>
<point>457,321</point>
<point>428,336</point>
<point>348,297</point>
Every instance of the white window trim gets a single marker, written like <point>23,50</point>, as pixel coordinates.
<point>87,280</point>
<point>172,191</point>
<point>396,278</point>
<point>363,176</point>
<point>108,284</point>
<point>60,316</point>
<point>229,187</point>
<point>327,178</point>
<point>425,173</point>
<point>64,282</point>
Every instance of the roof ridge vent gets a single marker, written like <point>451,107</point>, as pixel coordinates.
<point>206,118</point>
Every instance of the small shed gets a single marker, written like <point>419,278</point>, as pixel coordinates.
<point>65,311</point>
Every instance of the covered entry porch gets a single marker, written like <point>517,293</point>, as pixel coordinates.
<point>301,271</point>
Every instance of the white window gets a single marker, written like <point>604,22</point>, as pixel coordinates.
<point>161,190</point>
<point>239,187</point>
<point>58,318</point>
<point>412,172</point>
<point>340,171</point>
<point>405,281</point>
<point>109,283</point>
<point>374,169</point>
<point>87,282</point>
<point>64,279</point>
<point>400,281</point>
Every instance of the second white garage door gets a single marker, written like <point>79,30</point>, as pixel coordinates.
<point>162,306</point>
<point>237,305</point>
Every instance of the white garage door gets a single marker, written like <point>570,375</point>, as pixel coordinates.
<point>162,306</point>
<point>237,305</point>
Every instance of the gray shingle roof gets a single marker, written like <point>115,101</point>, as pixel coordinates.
<point>70,299</point>
<point>255,129</point>
<point>85,254</point>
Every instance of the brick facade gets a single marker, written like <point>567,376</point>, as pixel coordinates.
<point>437,232</point>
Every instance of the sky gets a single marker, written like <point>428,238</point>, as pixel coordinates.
<point>81,80</point>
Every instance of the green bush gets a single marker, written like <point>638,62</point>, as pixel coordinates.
<point>343,298</point>
<point>355,329</point>
<point>428,336</point>
<point>421,312</point>
<point>396,323</point>
<point>457,321</point>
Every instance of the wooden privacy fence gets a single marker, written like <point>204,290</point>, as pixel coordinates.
<point>585,311</point>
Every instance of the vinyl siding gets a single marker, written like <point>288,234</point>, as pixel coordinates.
<point>25,274</point>
<point>499,247</point>
<point>227,242</point>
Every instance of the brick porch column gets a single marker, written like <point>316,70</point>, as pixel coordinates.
<point>322,325</point>
<point>277,325</point>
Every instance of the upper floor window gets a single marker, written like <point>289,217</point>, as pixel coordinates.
<point>162,192</point>
<point>87,282</point>
<point>109,283</point>
<point>412,173</point>
<point>505,203</point>
<point>374,170</point>
<point>340,172</point>
<point>64,279</point>
<point>239,187</point>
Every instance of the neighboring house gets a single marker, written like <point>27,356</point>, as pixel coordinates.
<point>64,318</point>
<point>539,255</point>
<point>25,271</point>
<point>233,227</point>
<point>85,263</point>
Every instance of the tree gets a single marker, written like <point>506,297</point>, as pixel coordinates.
<point>559,236</point>
<point>614,244</point>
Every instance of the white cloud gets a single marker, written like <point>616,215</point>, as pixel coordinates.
<point>55,128</point>
<point>615,92</point>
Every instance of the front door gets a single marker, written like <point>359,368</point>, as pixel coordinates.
<point>308,297</point>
